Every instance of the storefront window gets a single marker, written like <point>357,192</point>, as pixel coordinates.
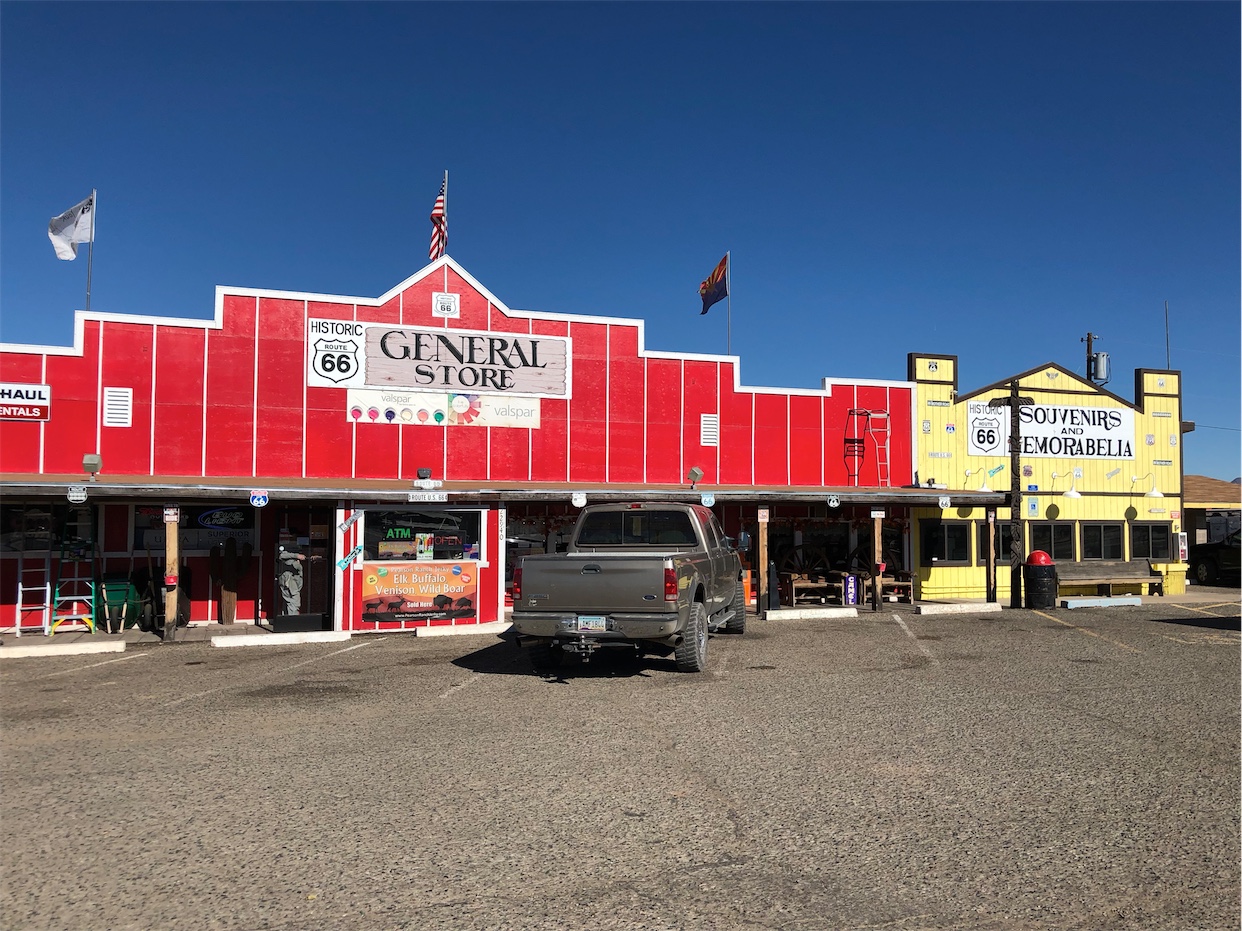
<point>945,543</point>
<point>1150,541</point>
<point>1054,538</point>
<point>421,535</point>
<point>1102,541</point>
<point>42,528</point>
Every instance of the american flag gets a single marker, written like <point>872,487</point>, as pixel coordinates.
<point>439,223</point>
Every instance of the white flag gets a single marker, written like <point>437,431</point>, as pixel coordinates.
<point>75,225</point>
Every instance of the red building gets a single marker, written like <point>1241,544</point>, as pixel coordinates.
<point>405,446</point>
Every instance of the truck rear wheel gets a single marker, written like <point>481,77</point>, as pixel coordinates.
<point>737,623</point>
<point>691,653</point>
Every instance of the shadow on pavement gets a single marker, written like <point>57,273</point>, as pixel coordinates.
<point>506,658</point>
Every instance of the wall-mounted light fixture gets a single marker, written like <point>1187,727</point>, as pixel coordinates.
<point>1155,492</point>
<point>1073,490</point>
<point>694,476</point>
<point>424,473</point>
<point>984,486</point>
<point>92,463</point>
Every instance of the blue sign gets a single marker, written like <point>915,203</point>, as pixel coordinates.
<point>259,497</point>
<point>851,589</point>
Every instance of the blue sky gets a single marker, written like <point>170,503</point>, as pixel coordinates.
<point>987,180</point>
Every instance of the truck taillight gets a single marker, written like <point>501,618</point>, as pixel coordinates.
<point>670,584</point>
<point>517,584</point>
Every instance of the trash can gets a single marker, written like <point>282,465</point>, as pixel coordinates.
<point>1039,578</point>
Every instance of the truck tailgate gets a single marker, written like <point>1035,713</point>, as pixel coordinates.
<point>599,584</point>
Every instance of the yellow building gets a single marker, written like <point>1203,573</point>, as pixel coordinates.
<point>1100,480</point>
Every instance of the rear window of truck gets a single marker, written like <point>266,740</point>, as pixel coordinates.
<point>637,528</point>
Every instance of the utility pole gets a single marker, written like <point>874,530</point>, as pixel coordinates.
<point>1089,339</point>
<point>1015,402</point>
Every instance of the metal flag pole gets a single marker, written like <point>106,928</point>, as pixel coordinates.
<point>445,212</point>
<point>729,296</point>
<point>90,250</point>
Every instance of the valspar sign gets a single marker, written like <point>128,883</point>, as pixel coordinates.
<point>1052,432</point>
<point>347,354</point>
<point>25,402</point>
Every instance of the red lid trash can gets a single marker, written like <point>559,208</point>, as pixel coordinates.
<point>1039,578</point>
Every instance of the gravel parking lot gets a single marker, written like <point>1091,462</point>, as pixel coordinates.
<point>1027,769</point>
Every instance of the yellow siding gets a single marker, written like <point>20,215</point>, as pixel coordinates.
<point>1112,490</point>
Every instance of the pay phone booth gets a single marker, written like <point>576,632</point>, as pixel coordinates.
<point>301,593</point>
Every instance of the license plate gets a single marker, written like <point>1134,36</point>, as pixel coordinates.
<point>592,622</point>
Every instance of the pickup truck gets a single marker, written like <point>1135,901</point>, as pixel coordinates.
<point>1211,561</point>
<point>652,577</point>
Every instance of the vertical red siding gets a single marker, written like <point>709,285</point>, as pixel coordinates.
<point>74,380</point>
<point>626,405</point>
<point>281,377</point>
<point>178,414</point>
<point>664,421</point>
<point>806,444</point>
<point>229,440</point>
<point>771,437</point>
<point>127,350</point>
<point>736,448</point>
<point>701,384</point>
<point>588,410</point>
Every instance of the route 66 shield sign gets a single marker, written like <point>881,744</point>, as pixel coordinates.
<point>985,435</point>
<point>335,360</point>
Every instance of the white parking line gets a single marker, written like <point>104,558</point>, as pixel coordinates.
<point>356,646</point>
<point>459,686</point>
<point>69,672</point>
<point>917,642</point>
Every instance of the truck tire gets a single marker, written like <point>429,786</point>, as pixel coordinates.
<point>1205,572</point>
<point>737,623</point>
<point>691,653</point>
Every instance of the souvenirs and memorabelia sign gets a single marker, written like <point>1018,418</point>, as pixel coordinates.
<point>1053,432</point>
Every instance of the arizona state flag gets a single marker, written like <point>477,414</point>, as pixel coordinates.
<point>715,287</point>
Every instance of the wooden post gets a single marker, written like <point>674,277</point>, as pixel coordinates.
<point>877,555</point>
<point>991,556</point>
<point>172,557</point>
<point>1015,497</point>
<point>761,589</point>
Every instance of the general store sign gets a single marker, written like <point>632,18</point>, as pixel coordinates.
<point>350,354</point>
<point>1051,431</point>
<point>25,402</point>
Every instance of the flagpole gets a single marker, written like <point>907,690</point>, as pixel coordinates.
<point>446,210</point>
<point>729,295</point>
<point>90,251</point>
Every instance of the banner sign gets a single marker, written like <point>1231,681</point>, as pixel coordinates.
<point>419,591</point>
<point>349,354</point>
<point>25,402</point>
<point>367,405</point>
<point>1053,432</point>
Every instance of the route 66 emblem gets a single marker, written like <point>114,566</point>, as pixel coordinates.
<point>335,359</point>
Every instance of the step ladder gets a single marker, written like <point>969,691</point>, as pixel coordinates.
<point>34,595</point>
<point>78,589</point>
<point>865,426</point>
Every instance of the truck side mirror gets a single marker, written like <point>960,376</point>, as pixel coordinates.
<point>743,541</point>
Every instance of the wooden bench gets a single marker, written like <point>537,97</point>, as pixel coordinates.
<point>813,587</point>
<point>892,588</point>
<point>1104,574</point>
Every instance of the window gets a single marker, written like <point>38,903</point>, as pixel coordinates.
<point>1150,541</point>
<point>1004,534</point>
<point>637,527</point>
<point>420,535</point>
<point>944,543</point>
<point>1102,541</point>
<point>1054,538</point>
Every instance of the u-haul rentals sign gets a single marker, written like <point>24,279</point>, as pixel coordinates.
<point>25,402</point>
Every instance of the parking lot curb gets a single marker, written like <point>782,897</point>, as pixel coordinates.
<point>1118,601</point>
<point>791,614</point>
<point>494,627</point>
<point>266,640</point>
<point>984,608</point>
<point>60,649</point>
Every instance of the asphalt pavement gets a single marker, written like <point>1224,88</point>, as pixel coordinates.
<point>1025,769</point>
